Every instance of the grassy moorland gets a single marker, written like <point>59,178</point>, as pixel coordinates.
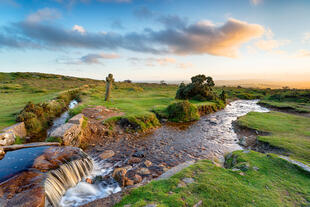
<point>287,131</point>
<point>17,89</point>
<point>265,181</point>
<point>288,100</point>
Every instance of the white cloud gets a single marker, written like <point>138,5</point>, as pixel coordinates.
<point>185,65</point>
<point>79,29</point>
<point>92,58</point>
<point>43,15</point>
<point>269,45</point>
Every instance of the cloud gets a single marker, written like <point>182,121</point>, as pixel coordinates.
<point>92,58</point>
<point>207,38</point>
<point>269,45</point>
<point>143,12</point>
<point>256,2</point>
<point>44,14</point>
<point>178,37</point>
<point>79,29</point>
<point>173,21</point>
<point>161,61</point>
<point>302,53</point>
<point>306,37</point>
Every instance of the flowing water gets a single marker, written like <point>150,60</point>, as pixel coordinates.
<point>212,136</point>
<point>62,119</point>
<point>66,176</point>
<point>84,192</point>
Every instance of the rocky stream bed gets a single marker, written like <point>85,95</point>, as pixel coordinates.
<point>123,160</point>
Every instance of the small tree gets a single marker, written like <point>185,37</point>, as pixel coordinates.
<point>223,96</point>
<point>109,81</point>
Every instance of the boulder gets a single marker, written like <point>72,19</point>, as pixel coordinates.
<point>19,129</point>
<point>119,174</point>
<point>7,138</point>
<point>106,154</point>
<point>144,171</point>
<point>70,131</point>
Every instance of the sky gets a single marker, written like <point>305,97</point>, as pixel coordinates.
<point>150,40</point>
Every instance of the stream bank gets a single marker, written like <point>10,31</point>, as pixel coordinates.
<point>145,157</point>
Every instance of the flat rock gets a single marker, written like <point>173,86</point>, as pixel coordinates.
<point>107,154</point>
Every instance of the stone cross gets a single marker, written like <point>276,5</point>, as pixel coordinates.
<point>109,81</point>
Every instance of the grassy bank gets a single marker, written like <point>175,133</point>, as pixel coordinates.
<point>287,106</point>
<point>265,181</point>
<point>290,132</point>
<point>17,89</point>
<point>138,101</point>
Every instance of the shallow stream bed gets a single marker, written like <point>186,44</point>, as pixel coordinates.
<point>209,138</point>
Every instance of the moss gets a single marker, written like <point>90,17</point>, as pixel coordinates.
<point>19,140</point>
<point>84,123</point>
<point>183,112</point>
<point>54,139</point>
<point>139,122</point>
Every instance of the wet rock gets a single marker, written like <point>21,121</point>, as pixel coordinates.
<point>88,180</point>
<point>188,180</point>
<point>127,167</point>
<point>139,154</point>
<point>144,171</point>
<point>147,163</point>
<point>7,138</point>
<point>129,182</point>
<point>134,160</point>
<point>25,187</point>
<point>235,169</point>
<point>137,179</point>
<point>243,142</point>
<point>106,154</point>
<point>119,174</point>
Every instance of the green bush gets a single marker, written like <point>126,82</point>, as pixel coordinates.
<point>139,122</point>
<point>201,89</point>
<point>183,112</point>
<point>54,139</point>
<point>38,117</point>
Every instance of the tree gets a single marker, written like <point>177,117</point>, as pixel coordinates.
<point>109,81</point>
<point>199,89</point>
<point>223,96</point>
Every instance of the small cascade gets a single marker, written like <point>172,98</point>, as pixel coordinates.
<point>66,176</point>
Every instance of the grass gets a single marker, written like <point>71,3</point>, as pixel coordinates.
<point>17,89</point>
<point>276,183</point>
<point>133,102</point>
<point>285,105</point>
<point>288,131</point>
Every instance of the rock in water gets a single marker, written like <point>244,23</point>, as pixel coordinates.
<point>32,176</point>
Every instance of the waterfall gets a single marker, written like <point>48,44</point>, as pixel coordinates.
<point>66,176</point>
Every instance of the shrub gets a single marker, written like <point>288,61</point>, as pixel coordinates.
<point>54,139</point>
<point>201,89</point>
<point>139,122</point>
<point>183,112</point>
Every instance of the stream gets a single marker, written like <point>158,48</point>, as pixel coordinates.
<point>209,138</point>
<point>62,119</point>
